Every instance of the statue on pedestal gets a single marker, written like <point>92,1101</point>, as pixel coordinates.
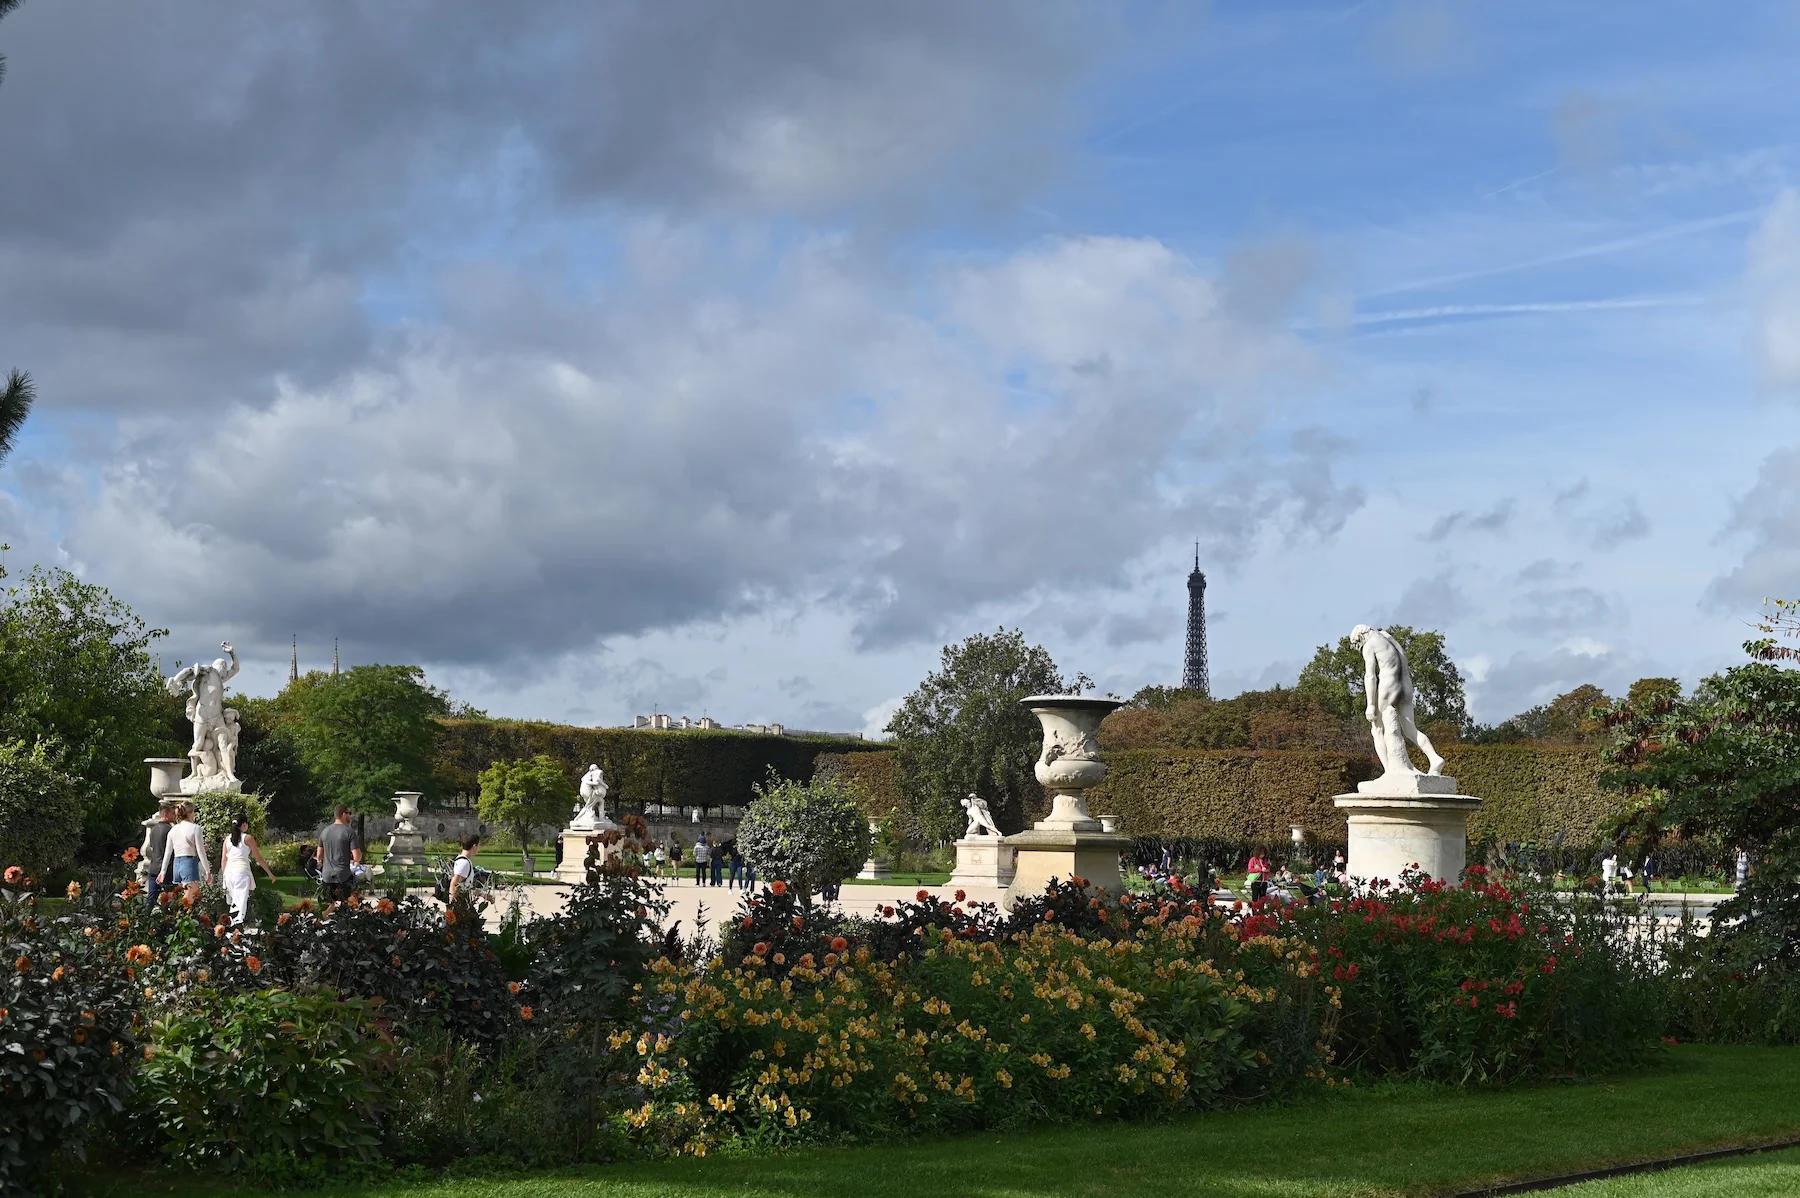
<point>979,818</point>
<point>1388,703</point>
<point>592,811</point>
<point>213,757</point>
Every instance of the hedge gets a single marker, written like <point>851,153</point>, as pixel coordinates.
<point>1528,792</point>
<point>699,767</point>
<point>873,777</point>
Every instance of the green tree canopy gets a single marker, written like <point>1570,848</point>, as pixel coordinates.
<point>1723,765</point>
<point>963,730</point>
<point>525,793</point>
<point>363,734</point>
<point>1572,718</point>
<point>40,810</point>
<point>76,673</point>
<point>1334,677</point>
<point>807,834</point>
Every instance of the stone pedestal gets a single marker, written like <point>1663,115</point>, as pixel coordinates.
<point>876,868</point>
<point>983,861</point>
<point>406,844</point>
<point>1409,821</point>
<point>575,847</point>
<point>1044,854</point>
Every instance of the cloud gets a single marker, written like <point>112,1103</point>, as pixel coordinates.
<point>1430,602</point>
<point>1601,525</point>
<point>1559,609</point>
<point>875,719</point>
<point>1766,518</point>
<point>1495,519</point>
<point>1774,275</point>
<point>821,436</point>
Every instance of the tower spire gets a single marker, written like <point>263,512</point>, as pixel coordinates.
<point>335,671</point>
<point>1194,676</point>
<point>294,661</point>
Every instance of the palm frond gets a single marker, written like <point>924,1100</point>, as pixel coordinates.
<point>15,405</point>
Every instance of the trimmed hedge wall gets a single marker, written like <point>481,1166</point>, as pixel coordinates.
<point>873,777</point>
<point>701,767</point>
<point>1528,792</point>
<point>1226,794</point>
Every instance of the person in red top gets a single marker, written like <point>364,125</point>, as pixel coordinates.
<point>1257,871</point>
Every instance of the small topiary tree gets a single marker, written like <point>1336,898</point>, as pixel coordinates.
<point>40,810</point>
<point>215,809</point>
<point>520,795</point>
<point>805,834</point>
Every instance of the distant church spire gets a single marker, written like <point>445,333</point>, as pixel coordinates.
<point>294,661</point>
<point>334,657</point>
<point>1193,665</point>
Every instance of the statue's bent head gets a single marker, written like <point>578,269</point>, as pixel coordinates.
<point>1359,634</point>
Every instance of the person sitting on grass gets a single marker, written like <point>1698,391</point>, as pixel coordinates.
<point>462,870</point>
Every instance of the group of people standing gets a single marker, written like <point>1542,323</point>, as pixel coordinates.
<point>174,854</point>
<point>714,864</point>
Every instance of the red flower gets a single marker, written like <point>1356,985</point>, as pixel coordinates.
<point>138,954</point>
<point>777,887</point>
<point>961,897</point>
<point>253,963</point>
<point>923,895</point>
<point>749,922</point>
<point>760,948</point>
<point>1507,1010</point>
<point>14,875</point>
<point>526,1013</point>
<point>130,855</point>
<point>839,944</point>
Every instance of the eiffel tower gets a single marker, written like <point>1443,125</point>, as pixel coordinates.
<point>1193,663</point>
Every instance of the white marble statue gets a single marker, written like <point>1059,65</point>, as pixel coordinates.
<point>214,753</point>
<point>1388,692</point>
<point>979,818</point>
<point>591,813</point>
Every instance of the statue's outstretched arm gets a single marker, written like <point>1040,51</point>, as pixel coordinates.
<point>232,672</point>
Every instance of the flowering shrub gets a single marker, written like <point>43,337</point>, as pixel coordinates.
<point>906,927</point>
<point>776,927</point>
<point>1479,982</point>
<point>68,1028</point>
<point>266,1078</point>
<point>969,1033</point>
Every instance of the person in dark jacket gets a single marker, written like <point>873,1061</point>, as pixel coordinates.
<point>156,839</point>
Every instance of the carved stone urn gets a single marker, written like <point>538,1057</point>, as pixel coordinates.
<point>406,844</point>
<point>1068,842</point>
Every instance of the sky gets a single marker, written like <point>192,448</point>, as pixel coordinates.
<point>732,359</point>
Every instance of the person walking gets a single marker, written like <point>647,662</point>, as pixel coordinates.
<point>156,840</point>
<point>338,857</point>
<point>749,874</point>
<point>235,875</point>
<point>184,854</point>
<point>702,859</point>
<point>462,870</point>
<point>735,861</point>
<point>1609,871</point>
<point>1647,872</point>
<point>718,864</point>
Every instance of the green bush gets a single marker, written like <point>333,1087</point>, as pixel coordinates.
<point>283,858</point>
<point>40,810</point>
<point>214,809</point>
<point>260,1078</point>
<point>1533,792</point>
<point>642,765</point>
<point>68,1013</point>
<point>808,835</point>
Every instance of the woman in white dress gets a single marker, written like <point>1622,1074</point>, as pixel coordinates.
<point>234,868</point>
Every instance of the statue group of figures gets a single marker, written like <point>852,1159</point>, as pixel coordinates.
<point>591,811</point>
<point>212,761</point>
<point>981,820</point>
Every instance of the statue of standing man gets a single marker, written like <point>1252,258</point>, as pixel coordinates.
<point>1388,703</point>
<point>213,756</point>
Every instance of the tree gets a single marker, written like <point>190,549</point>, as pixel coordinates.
<point>1334,677</point>
<point>1572,718</point>
<point>15,404</point>
<point>1723,764</point>
<point>76,673</point>
<point>1162,698</point>
<point>963,731</point>
<point>40,810</point>
<point>363,734</point>
<point>522,794</point>
<point>807,834</point>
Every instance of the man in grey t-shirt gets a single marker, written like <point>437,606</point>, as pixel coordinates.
<point>337,853</point>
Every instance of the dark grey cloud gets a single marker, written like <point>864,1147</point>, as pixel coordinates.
<point>1544,569</point>
<point>1494,519</point>
<point>1434,601</point>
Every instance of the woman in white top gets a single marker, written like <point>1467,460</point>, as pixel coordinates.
<point>184,855</point>
<point>234,868</point>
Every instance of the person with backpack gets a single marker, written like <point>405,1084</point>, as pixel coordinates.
<point>702,860</point>
<point>462,870</point>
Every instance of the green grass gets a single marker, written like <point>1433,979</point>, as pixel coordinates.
<point>1390,1141</point>
<point>912,879</point>
<point>1770,1175</point>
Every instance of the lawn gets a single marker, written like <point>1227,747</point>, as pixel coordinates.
<point>932,879</point>
<point>1392,1140</point>
<point>1765,1175</point>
